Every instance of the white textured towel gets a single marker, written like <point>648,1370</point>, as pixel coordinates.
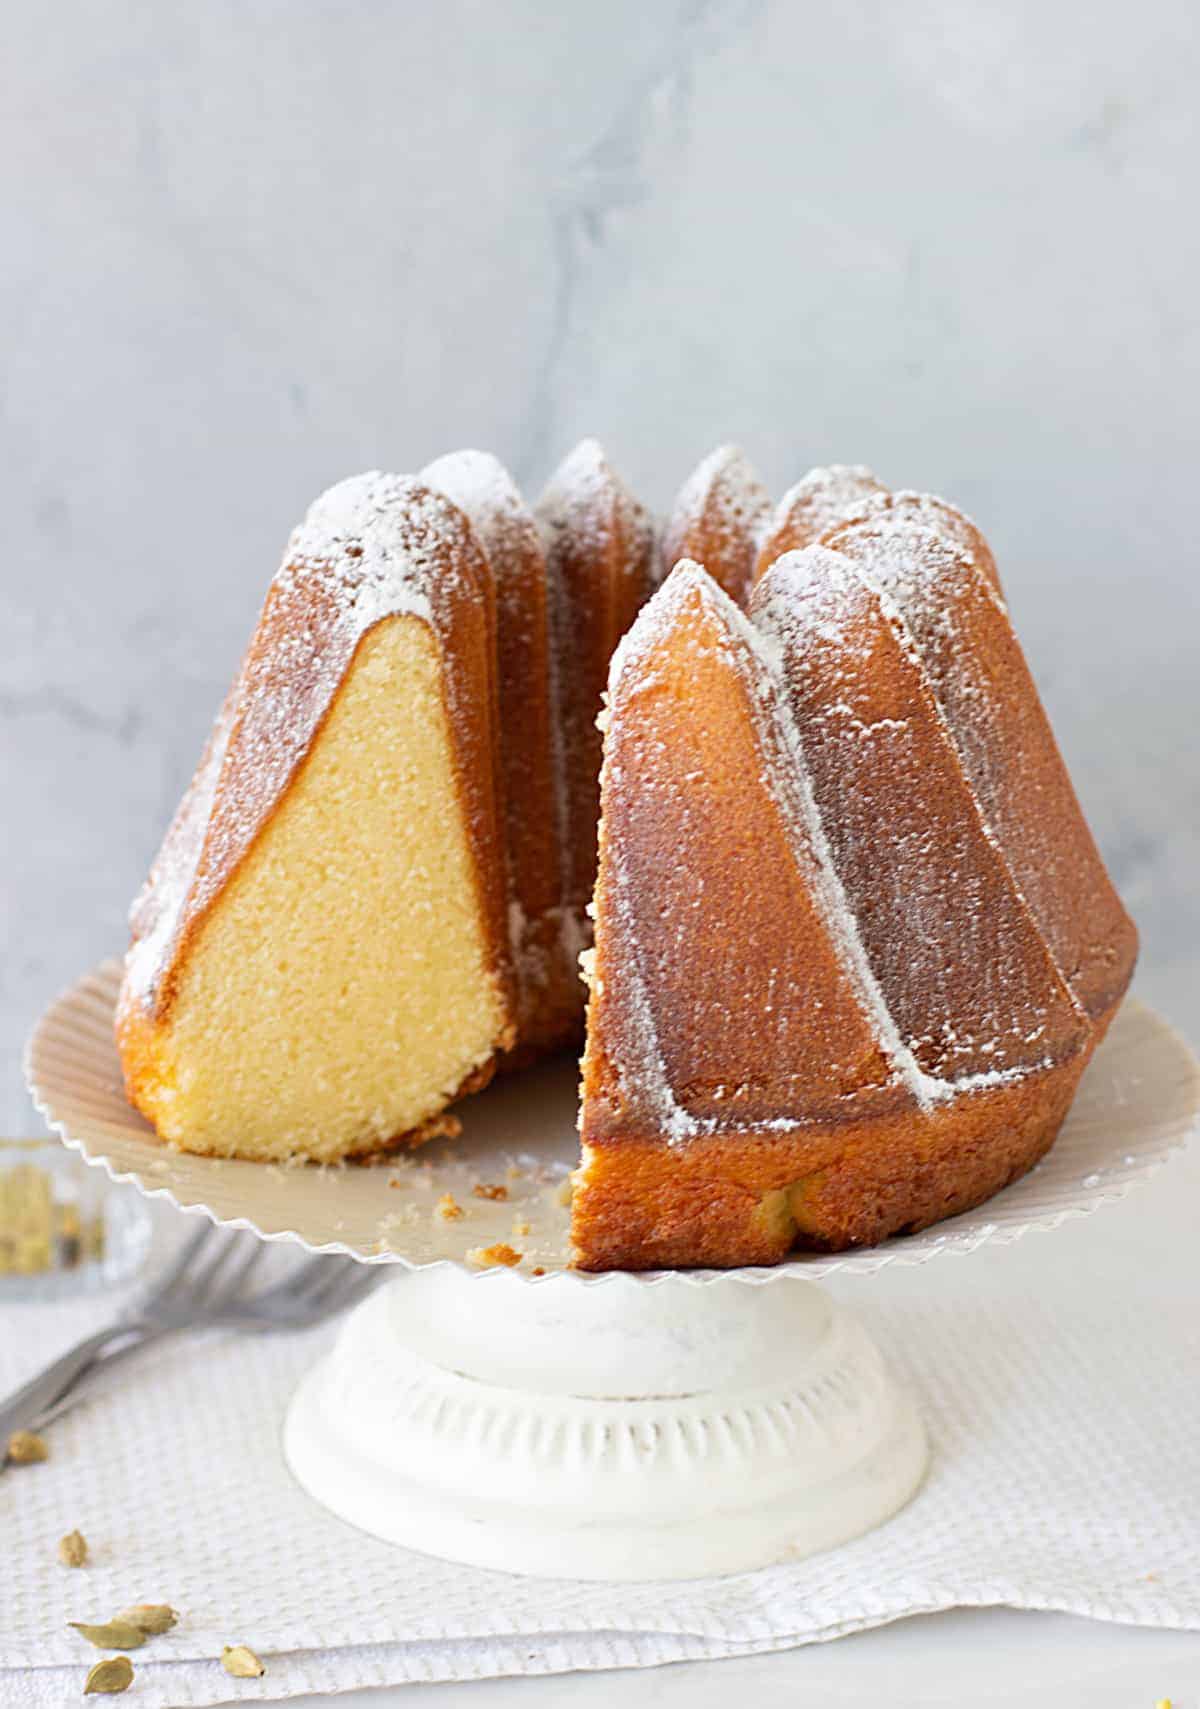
<point>1060,1379</point>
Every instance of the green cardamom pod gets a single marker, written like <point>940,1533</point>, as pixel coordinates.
<point>26,1448</point>
<point>116,1635</point>
<point>72,1549</point>
<point>241,1662</point>
<point>113,1674</point>
<point>152,1618</point>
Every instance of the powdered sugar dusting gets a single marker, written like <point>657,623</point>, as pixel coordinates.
<point>792,786</point>
<point>718,517</point>
<point>531,723</point>
<point>935,520</point>
<point>913,547</point>
<point>639,1066</point>
<point>807,511</point>
<point>156,912</point>
<point>587,496</point>
<point>785,775</point>
<point>372,547</point>
<point>373,541</point>
<point>481,485</point>
<point>951,939</point>
<point>599,543</point>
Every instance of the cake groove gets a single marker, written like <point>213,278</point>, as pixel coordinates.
<point>914,548</point>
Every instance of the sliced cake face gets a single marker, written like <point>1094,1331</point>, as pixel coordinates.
<point>717,519</point>
<point>533,765</point>
<point>960,630</point>
<point>320,961</point>
<point>959,957</point>
<point>807,511</point>
<point>600,556</point>
<point>727,989</point>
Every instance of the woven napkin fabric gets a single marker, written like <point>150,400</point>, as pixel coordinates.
<point>1060,1379</point>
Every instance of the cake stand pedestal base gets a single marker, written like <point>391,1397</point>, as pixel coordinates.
<point>615,1432</point>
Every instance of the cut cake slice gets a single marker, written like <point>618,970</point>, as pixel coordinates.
<point>320,961</point>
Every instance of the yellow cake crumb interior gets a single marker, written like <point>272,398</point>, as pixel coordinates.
<point>341,993</point>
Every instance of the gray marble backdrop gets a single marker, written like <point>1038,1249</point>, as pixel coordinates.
<point>251,246</point>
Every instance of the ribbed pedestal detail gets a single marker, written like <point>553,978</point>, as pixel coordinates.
<point>623,1433</point>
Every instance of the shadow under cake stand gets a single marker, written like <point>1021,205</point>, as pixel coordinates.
<point>665,1425</point>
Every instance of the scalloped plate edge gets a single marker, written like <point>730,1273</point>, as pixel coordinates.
<point>909,1252</point>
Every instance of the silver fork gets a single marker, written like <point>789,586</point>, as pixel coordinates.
<point>204,1287</point>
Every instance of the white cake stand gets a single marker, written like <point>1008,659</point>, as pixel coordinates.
<point>665,1425</point>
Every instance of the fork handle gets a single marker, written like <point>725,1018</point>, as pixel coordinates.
<point>31,1400</point>
<point>92,1377</point>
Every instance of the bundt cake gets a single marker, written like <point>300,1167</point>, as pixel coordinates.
<point>853,943</point>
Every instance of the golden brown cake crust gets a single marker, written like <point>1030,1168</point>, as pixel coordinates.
<point>716,520</point>
<point>830,497</point>
<point>549,993</point>
<point>912,547</point>
<point>716,984</point>
<point>809,510</point>
<point>600,554</point>
<point>711,1202</point>
<point>959,957</point>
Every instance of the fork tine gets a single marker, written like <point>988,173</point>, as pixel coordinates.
<point>299,1283</point>
<point>313,1290</point>
<point>326,1288</point>
<point>344,1290</point>
<point>233,1280</point>
<point>207,1280</point>
<point>317,1276</point>
<point>165,1284</point>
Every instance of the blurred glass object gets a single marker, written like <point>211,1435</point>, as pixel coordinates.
<point>65,1228</point>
